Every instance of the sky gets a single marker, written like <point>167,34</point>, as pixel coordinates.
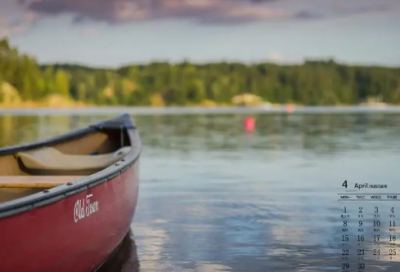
<point>112,33</point>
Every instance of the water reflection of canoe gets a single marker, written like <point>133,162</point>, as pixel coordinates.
<point>67,202</point>
<point>124,258</point>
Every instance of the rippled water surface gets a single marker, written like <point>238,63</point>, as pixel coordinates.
<point>214,197</point>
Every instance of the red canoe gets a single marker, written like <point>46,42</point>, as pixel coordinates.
<point>66,203</point>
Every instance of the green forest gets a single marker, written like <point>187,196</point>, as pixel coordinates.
<point>314,82</point>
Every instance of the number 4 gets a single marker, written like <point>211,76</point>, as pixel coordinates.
<point>344,184</point>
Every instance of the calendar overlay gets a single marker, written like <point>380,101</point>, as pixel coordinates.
<point>368,226</point>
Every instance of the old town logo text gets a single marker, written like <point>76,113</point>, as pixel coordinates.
<point>85,207</point>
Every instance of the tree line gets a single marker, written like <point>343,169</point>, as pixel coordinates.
<point>323,82</point>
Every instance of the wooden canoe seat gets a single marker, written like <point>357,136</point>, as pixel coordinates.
<point>49,158</point>
<point>35,181</point>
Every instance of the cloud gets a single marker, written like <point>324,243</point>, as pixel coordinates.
<point>202,11</point>
<point>15,19</point>
<point>17,26</point>
<point>9,29</point>
<point>91,32</point>
<point>117,11</point>
<point>361,9</point>
<point>275,57</point>
<point>30,17</point>
<point>308,15</point>
<point>346,9</point>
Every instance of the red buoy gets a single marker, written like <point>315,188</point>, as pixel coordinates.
<point>249,123</point>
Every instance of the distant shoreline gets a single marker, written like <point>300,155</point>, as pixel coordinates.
<point>195,110</point>
<point>264,106</point>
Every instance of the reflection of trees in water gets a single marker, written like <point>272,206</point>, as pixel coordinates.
<point>6,130</point>
<point>321,133</point>
<point>14,129</point>
<point>124,258</point>
<point>24,129</point>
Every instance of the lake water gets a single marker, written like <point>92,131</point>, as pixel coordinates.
<point>214,197</point>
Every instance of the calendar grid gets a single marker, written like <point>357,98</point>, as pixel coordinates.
<point>368,230</point>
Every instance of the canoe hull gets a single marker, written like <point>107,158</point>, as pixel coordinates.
<point>76,233</point>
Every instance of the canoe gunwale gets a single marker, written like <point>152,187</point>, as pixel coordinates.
<point>58,193</point>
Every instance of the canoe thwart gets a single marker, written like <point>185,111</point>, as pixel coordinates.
<point>35,181</point>
<point>49,158</point>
